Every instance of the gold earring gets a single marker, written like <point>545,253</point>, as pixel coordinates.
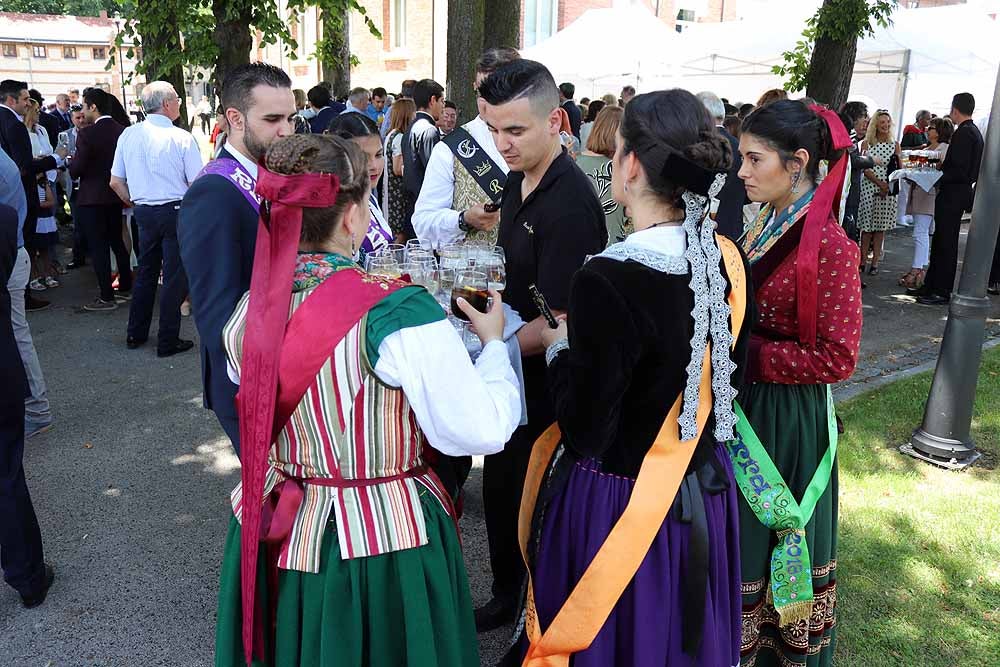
<point>795,182</point>
<point>354,249</point>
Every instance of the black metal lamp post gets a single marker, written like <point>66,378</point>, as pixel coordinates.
<point>944,437</point>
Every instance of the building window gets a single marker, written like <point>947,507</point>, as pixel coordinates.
<point>69,52</point>
<point>398,24</point>
<point>100,53</point>
<point>39,51</point>
<point>541,19</point>
<point>9,50</point>
<point>686,15</point>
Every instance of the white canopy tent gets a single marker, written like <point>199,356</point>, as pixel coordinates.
<point>918,62</point>
<point>923,58</point>
<point>605,49</point>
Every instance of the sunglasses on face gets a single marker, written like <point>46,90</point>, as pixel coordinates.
<point>75,107</point>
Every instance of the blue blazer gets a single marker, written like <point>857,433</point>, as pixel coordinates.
<point>217,232</point>
<point>321,121</point>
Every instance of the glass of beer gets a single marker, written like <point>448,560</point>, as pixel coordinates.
<point>471,286</point>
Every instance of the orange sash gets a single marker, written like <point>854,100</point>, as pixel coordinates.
<point>616,562</point>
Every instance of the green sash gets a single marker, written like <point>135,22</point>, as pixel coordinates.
<point>773,504</point>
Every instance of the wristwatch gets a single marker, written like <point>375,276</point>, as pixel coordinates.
<point>462,224</point>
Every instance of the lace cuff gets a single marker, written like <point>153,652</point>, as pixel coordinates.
<point>552,350</point>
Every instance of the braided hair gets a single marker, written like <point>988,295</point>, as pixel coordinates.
<point>660,124</point>
<point>327,154</point>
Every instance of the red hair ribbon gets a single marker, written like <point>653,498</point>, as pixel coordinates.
<point>278,234</point>
<point>822,211</point>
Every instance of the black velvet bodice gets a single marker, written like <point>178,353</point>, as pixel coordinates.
<point>630,330</point>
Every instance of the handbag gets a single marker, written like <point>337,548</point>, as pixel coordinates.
<point>891,167</point>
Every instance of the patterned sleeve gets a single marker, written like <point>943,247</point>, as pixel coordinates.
<point>232,338</point>
<point>838,331</point>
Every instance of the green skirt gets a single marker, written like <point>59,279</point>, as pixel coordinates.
<point>405,608</point>
<point>791,422</point>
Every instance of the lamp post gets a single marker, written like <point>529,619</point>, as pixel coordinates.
<point>944,436</point>
<point>121,64</point>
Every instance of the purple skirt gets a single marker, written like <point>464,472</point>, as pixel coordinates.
<point>646,626</point>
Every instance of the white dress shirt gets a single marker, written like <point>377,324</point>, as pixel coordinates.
<point>246,162</point>
<point>157,160</point>
<point>471,409</point>
<point>434,220</point>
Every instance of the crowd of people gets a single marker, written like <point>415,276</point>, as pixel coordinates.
<point>648,379</point>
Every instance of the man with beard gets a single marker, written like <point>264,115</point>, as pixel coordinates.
<point>218,221</point>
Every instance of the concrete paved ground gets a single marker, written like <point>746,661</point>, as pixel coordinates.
<point>131,486</point>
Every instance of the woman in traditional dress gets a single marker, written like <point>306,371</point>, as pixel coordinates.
<point>648,329</point>
<point>363,131</point>
<point>877,211</point>
<point>397,202</point>
<point>808,294</point>
<point>343,549</point>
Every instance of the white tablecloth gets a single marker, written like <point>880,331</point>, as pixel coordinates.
<point>925,178</point>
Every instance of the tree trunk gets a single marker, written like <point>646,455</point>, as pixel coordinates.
<point>503,23</point>
<point>831,70</point>
<point>158,38</point>
<point>232,37</point>
<point>337,70</point>
<point>465,43</point>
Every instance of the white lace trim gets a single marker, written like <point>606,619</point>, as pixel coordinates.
<point>658,261</point>
<point>710,314</point>
<point>552,350</point>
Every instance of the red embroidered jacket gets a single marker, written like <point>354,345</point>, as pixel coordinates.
<point>776,355</point>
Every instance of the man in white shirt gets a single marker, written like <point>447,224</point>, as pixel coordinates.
<point>452,204</point>
<point>357,101</point>
<point>154,164</point>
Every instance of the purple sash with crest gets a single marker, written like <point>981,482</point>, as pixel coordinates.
<point>235,173</point>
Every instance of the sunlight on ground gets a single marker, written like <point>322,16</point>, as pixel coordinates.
<point>216,456</point>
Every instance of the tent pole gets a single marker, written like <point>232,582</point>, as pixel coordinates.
<point>904,73</point>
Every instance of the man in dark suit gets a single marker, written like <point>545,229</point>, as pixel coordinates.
<point>98,207</point>
<point>16,142</point>
<point>729,217</point>
<point>958,174</point>
<point>62,112</point>
<point>326,108</point>
<point>423,135</point>
<point>24,567</point>
<point>217,228</point>
<point>566,93</point>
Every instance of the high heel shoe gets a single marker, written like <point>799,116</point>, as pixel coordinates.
<point>873,271</point>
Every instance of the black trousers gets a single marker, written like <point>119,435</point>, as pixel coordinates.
<point>102,227</point>
<point>503,481</point>
<point>158,249</point>
<point>80,250</point>
<point>20,538</point>
<point>948,209</point>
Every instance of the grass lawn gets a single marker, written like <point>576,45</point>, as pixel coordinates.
<point>919,551</point>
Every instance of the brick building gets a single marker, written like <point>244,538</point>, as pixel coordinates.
<point>56,53</point>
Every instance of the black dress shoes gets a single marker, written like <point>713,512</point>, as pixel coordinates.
<point>38,598</point>
<point>133,343</point>
<point>76,265</point>
<point>918,291</point>
<point>178,346</point>
<point>993,289</point>
<point>495,614</point>
<point>934,300</point>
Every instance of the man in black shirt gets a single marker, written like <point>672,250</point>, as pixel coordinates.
<point>566,93</point>
<point>423,135</point>
<point>959,172</point>
<point>550,220</point>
